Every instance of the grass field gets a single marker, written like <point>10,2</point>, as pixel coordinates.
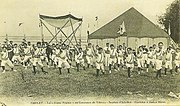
<point>84,85</point>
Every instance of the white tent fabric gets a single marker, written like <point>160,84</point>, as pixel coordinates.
<point>60,21</point>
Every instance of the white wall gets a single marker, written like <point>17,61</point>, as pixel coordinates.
<point>133,42</point>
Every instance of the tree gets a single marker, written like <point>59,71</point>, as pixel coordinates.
<point>171,17</point>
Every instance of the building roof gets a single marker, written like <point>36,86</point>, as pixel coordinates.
<point>136,25</point>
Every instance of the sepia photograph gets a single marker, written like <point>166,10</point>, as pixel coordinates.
<point>89,52</point>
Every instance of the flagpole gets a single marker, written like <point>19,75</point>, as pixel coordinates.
<point>169,33</point>
<point>5,27</point>
<point>169,29</point>
<point>6,35</point>
<point>97,24</point>
<point>23,34</point>
<point>42,35</point>
<point>23,30</point>
<point>96,27</point>
<point>80,34</point>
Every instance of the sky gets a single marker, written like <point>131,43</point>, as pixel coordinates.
<point>12,12</point>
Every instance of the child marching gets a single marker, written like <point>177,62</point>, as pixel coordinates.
<point>37,59</point>
<point>99,61</point>
<point>130,58</point>
<point>63,59</point>
<point>5,60</point>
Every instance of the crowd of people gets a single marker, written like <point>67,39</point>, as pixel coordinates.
<point>102,59</point>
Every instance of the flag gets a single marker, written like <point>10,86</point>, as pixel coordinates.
<point>96,18</point>
<point>169,29</point>
<point>122,29</point>
<point>20,23</point>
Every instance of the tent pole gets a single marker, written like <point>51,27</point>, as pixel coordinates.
<point>61,35</point>
<point>70,40</point>
<point>48,29</point>
<point>70,34</point>
<point>73,31</point>
<point>42,35</point>
<point>67,37</point>
<point>57,32</point>
<point>80,33</point>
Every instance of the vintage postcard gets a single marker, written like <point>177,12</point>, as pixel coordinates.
<point>89,52</point>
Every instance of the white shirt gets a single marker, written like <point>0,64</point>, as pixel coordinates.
<point>89,51</point>
<point>16,50</point>
<point>177,56</point>
<point>106,49</point>
<point>113,52</point>
<point>150,54</point>
<point>159,55</point>
<point>4,55</point>
<point>30,47</point>
<point>139,55</point>
<point>169,56</point>
<point>120,53</point>
<point>63,54</point>
<point>27,51</point>
<point>100,58</point>
<point>37,52</point>
<point>57,51</point>
<point>80,55</point>
<point>130,58</point>
<point>145,56</point>
<point>43,51</point>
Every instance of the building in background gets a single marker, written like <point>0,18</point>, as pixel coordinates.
<point>131,28</point>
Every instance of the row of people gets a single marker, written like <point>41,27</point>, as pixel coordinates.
<point>155,56</point>
<point>63,56</point>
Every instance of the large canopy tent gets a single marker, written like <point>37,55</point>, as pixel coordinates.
<point>138,30</point>
<point>59,23</point>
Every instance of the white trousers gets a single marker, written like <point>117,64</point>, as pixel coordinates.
<point>100,66</point>
<point>37,61</point>
<point>63,62</point>
<point>7,62</point>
